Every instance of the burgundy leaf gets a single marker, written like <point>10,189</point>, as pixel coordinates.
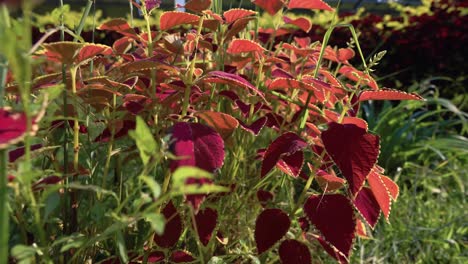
<point>270,227</point>
<point>197,145</point>
<point>15,154</point>
<point>332,251</point>
<point>205,224</point>
<point>353,150</point>
<point>292,251</point>
<point>172,229</point>
<point>333,216</point>
<point>285,145</point>
<point>367,206</point>
<point>195,200</point>
<point>153,257</point>
<point>255,127</point>
<point>181,256</point>
<point>264,197</point>
<point>291,164</point>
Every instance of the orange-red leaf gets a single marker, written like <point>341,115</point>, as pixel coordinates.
<point>302,22</point>
<point>380,192</point>
<point>237,13</point>
<point>198,5</point>
<point>119,25</point>
<point>309,4</point>
<point>271,6</point>
<point>388,94</point>
<point>172,19</point>
<point>244,45</point>
<point>223,123</point>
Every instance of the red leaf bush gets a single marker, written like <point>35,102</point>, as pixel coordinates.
<point>205,104</point>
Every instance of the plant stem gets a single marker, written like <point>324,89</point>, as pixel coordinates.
<point>80,27</point>
<point>4,219</point>
<point>188,85</point>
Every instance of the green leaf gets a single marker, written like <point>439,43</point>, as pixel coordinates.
<point>144,140</point>
<point>24,254</point>
<point>51,203</point>
<point>216,260</point>
<point>197,189</point>
<point>157,222</point>
<point>121,246</point>
<point>181,174</point>
<point>153,185</point>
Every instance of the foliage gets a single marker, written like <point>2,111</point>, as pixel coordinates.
<point>199,140</point>
<point>420,40</point>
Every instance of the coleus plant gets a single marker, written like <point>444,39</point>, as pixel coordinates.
<point>223,116</point>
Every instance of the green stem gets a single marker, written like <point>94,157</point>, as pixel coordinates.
<point>80,27</point>
<point>326,37</point>
<point>188,85</point>
<point>4,219</point>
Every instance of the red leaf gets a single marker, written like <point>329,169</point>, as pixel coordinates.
<point>309,4</point>
<point>15,154</point>
<point>237,13</point>
<point>181,256</point>
<point>63,52</point>
<point>392,187</point>
<point>302,22</point>
<point>358,76</point>
<point>89,51</point>
<point>285,145</point>
<point>197,145</point>
<point>353,150</point>
<point>333,216</point>
<point>271,225</point>
<point>284,83</point>
<point>223,123</point>
<point>291,164</point>
<point>13,127</point>
<point>243,45</point>
<point>361,229</point>
<point>198,5</point>
<point>121,26</point>
<point>380,192</point>
<point>231,79</point>
<point>172,229</point>
<point>205,224</point>
<point>332,251</point>
<point>271,6</point>
<point>195,200</point>
<point>153,257</point>
<point>327,181</point>
<point>237,26</point>
<point>388,94</point>
<point>292,251</point>
<point>255,127</point>
<point>171,19</point>
<point>367,206</point>
<point>345,54</point>
<point>264,197</point>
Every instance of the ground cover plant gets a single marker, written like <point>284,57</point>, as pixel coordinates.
<point>203,140</point>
